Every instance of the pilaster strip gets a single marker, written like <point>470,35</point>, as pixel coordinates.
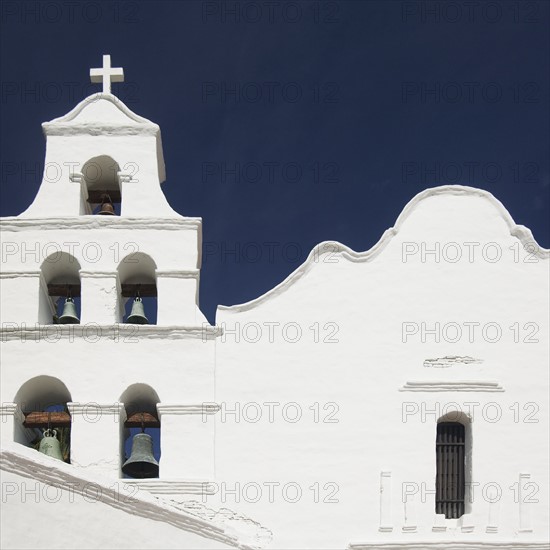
<point>524,505</point>
<point>385,503</point>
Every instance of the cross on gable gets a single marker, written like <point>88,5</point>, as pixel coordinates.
<point>107,74</point>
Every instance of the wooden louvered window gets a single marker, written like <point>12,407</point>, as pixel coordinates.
<point>449,485</point>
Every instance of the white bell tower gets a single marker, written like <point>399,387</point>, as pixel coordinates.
<point>101,232</point>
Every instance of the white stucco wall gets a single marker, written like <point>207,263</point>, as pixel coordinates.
<point>360,302</point>
<point>304,416</point>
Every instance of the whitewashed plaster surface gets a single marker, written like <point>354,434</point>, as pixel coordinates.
<point>377,379</point>
<point>337,395</point>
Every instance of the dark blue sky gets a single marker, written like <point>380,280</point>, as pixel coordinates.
<point>288,123</point>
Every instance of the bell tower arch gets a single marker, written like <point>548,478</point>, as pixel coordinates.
<point>141,457</point>
<point>101,177</point>
<point>37,401</point>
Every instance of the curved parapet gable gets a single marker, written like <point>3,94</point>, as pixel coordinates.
<point>105,114</point>
<point>420,216</point>
<point>101,107</point>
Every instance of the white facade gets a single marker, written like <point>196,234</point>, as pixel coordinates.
<point>305,418</point>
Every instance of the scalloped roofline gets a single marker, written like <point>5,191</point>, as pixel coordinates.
<point>73,113</point>
<point>521,232</point>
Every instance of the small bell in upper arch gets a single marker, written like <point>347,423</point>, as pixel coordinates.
<point>137,315</point>
<point>69,315</point>
<point>107,208</point>
<point>50,446</point>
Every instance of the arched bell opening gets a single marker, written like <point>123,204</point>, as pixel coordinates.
<point>138,300</point>
<point>45,422</point>
<point>60,290</point>
<point>101,177</point>
<point>141,433</point>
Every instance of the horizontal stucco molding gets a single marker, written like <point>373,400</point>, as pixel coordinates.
<point>451,545</point>
<point>195,408</point>
<point>98,222</point>
<point>93,332</point>
<point>445,385</point>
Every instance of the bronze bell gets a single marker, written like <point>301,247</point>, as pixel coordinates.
<point>137,315</point>
<point>69,315</point>
<point>107,208</point>
<point>50,446</point>
<point>142,463</point>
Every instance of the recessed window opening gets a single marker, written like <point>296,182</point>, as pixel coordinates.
<point>450,469</point>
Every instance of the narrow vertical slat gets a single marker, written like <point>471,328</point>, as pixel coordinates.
<point>461,479</point>
<point>452,468</point>
<point>443,470</point>
<point>455,470</point>
<point>446,482</point>
<point>438,467</point>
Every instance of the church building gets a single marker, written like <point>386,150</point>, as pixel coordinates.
<point>391,399</point>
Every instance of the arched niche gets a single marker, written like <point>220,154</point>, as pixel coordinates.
<point>140,398</point>
<point>453,455</point>
<point>49,395</point>
<point>60,277</point>
<point>137,276</point>
<point>140,404</point>
<point>100,175</point>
